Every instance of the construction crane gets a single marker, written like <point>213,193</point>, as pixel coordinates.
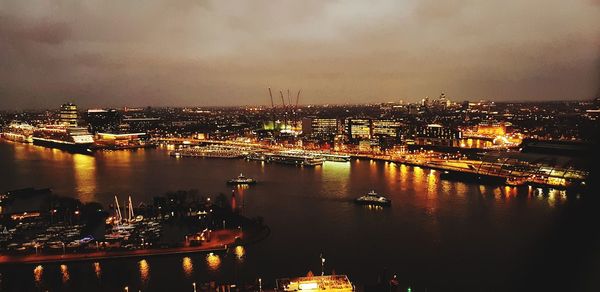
<point>282,100</point>
<point>298,97</point>
<point>271,95</point>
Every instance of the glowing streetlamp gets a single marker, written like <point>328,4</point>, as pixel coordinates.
<point>194,285</point>
<point>322,266</point>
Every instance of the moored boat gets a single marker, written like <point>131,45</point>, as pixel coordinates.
<point>241,180</point>
<point>372,198</point>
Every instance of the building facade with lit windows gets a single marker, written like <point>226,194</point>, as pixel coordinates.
<point>358,129</point>
<point>437,131</point>
<point>386,127</point>
<point>68,115</point>
<point>320,126</point>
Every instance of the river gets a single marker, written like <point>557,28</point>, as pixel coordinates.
<point>437,235</point>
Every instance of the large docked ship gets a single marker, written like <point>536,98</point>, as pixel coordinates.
<point>74,139</point>
<point>18,132</point>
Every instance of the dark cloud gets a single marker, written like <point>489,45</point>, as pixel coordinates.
<point>157,52</point>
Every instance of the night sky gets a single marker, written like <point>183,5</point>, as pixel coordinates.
<point>101,53</point>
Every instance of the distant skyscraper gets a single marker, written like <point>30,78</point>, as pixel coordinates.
<point>68,115</point>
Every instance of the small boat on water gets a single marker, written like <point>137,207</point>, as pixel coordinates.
<point>372,198</point>
<point>241,180</point>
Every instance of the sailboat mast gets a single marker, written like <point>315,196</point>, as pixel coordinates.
<point>118,210</point>
<point>130,213</point>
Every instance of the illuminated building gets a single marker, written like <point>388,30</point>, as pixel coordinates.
<point>389,128</point>
<point>125,140</point>
<point>492,129</point>
<point>103,120</point>
<point>320,126</point>
<point>68,115</point>
<point>388,132</point>
<point>435,134</point>
<point>535,168</point>
<point>358,129</point>
<point>437,131</point>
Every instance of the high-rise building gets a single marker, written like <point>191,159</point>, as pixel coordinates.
<point>68,115</point>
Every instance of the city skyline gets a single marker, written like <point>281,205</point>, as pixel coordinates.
<point>224,54</point>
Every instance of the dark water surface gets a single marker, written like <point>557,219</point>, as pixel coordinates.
<point>439,235</point>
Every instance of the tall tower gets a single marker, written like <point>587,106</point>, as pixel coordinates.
<point>68,115</point>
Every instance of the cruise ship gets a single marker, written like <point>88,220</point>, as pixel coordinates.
<point>74,139</point>
<point>18,132</point>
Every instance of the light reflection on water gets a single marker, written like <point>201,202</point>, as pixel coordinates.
<point>97,270</point>
<point>144,268</point>
<point>188,266</point>
<point>84,167</point>
<point>64,270</point>
<point>240,252</point>
<point>214,261</point>
<point>37,274</point>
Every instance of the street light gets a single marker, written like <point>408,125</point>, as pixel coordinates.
<point>126,288</point>
<point>259,284</point>
<point>194,285</point>
<point>322,266</point>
